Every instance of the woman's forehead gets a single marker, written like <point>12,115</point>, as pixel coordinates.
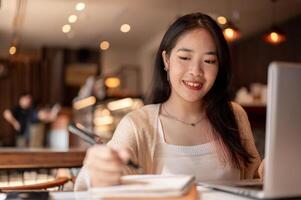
<point>195,39</point>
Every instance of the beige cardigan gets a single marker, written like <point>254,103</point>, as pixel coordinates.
<point>138,131</point>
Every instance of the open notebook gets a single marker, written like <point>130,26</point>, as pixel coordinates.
<point>146,186</point>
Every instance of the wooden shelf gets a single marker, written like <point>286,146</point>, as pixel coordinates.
<point>12,158</point>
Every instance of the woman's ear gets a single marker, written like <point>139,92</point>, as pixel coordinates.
<point>165,58</point>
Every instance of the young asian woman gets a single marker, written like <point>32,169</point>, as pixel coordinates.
<point>191,126</point>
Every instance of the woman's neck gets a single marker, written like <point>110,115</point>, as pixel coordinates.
<point>183,110</point>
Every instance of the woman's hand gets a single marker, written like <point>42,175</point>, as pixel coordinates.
<point>260,169</point>
<point>105,164</point>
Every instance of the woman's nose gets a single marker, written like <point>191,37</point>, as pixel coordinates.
<point>196,69</point>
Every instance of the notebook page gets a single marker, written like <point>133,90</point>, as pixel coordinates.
<point>147,185</point>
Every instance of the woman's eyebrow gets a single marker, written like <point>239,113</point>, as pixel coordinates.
<point>190,50</point>
<point>185,49</point>
<point>211,53</point>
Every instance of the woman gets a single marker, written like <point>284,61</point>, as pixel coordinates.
<point>191,127</point>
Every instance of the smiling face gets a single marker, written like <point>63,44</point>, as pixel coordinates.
<point>192,65</point>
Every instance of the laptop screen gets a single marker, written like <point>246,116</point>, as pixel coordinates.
<point>282,176</point>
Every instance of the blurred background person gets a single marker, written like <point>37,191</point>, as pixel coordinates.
<point>25,119</point>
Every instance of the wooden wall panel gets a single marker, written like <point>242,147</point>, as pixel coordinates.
<point>23,76</point>
<point>251,56</point>
<point>43,77</point>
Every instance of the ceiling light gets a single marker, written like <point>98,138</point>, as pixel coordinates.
<point>112,82</point>
<point>125,28</point>
<point>222,20</point>
<point>101,112</point>
<point>66,28</point>
<point>104,120</point>
<point>72,18</point>
<point>231,33</point>
<point>83,103</point>
<point>12,50</point>
<point>120,104</point>
<point>104,45</point>
<point>275,35</point>
<point>80,6</point>
<point>103,129</point>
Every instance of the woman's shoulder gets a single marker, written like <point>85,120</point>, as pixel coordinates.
<point>147,111</point>
<point>139,124</point>
<point>149,108</point>
<point>238,110</point>
<point>242,120</point>
<point>144,115</point>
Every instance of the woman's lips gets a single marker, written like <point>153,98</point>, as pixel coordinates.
<point>193,85</point>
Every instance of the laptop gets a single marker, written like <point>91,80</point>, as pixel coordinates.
<point>282,170</point>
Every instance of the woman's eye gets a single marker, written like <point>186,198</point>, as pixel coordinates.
<point>210,61</point>
<point>184,58</point>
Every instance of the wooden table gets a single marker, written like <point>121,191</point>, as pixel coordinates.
<point>199,194</point>
<point>14,158</point>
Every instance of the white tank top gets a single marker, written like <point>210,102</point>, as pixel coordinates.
<point>198,160</point>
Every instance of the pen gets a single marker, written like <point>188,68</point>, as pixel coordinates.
<point>91,138</point>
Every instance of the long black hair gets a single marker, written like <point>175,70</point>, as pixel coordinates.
<point>216,102</point>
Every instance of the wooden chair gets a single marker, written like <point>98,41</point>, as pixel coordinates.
<point>58,182</point>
